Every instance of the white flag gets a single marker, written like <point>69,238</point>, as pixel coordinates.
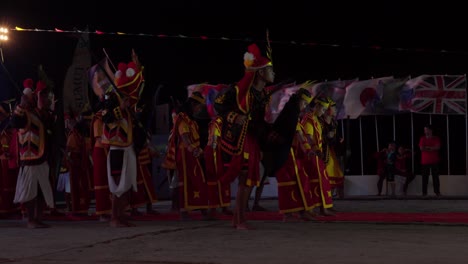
<point>361,94</point>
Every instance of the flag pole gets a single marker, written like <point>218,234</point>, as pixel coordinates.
<point>448,145</point>
<point>376,132</point>
<point>108,58</point>
<point>360,135</point>
<point>466,133</point>
<point>412,141</point>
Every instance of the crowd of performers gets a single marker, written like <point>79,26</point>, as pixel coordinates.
<point>107,155</point>
<point>108,152</point>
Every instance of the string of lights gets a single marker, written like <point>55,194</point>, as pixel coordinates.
<point>203,37</point>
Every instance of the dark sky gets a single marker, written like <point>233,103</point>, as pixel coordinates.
<point>353,38</point>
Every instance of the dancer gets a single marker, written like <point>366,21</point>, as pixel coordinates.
<point>33,188</point>
<point>314,165</point>
<point>242,108</point>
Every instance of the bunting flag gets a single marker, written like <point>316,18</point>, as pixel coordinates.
<point>75,87</point>
<point>435,94</point>
<point>101,77</point>
<point>392,93</point>
<point>309,43</point>
<point>361,95</point>
<point>387,97</point>
<point>336,90</point>
<point>279,97</point>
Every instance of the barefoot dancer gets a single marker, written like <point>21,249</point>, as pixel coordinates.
<point>242,108</point>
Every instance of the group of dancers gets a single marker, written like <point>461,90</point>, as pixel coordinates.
<point>298,148</point>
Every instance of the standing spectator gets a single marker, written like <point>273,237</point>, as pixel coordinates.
<point>386,159</point>
<point>380,157</point>
<point>390,165</point>
<point>403,158</point>
<point>429,146</point>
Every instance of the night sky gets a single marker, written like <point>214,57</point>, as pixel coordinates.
<point>367,36</point>
<point>311,40</point>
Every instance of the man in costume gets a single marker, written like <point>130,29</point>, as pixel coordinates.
<point>242,108</point>
<point>429,144</point>
<point>403,166</point>
<point>33,188</point>
<point>314,165</point>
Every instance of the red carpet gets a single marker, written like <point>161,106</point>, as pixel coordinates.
<point>451,217</point>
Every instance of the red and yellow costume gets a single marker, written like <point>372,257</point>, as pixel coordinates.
<point>241,143</point>
<point>192,183</point>
<point>130,82</point>
<point>9,170</point>
<point>121,159</point>
<point>78,166</point>
<point>101,186</point>
<point>219,192</point>
<point>146,192</point>
<point>294,188</point>
<point>314,165</point>
<point>334,171</point>
<point>32,150</point>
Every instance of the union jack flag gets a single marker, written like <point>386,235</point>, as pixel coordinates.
<point>439,94</point>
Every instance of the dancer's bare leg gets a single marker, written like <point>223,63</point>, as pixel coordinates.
<point>244,193</point>
<point>258,194</point>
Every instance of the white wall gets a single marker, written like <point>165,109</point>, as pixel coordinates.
<point>357,185</point>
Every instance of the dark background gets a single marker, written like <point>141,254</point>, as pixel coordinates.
<point>311,40</point>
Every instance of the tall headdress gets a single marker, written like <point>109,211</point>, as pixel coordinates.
<point>253,61</point>
<point>28,87</point>
<point>40,86</point>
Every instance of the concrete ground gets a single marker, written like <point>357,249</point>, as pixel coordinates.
<point>212,242</point>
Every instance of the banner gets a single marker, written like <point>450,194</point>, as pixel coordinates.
<point>75,88</point>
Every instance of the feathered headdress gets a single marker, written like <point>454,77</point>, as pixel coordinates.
<point>28,86</point>
<point>253,59</point>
